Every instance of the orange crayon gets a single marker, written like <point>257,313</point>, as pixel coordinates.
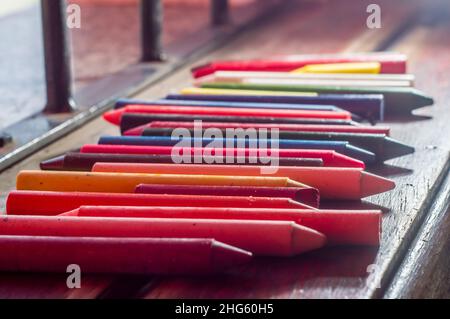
<point>332,182</point>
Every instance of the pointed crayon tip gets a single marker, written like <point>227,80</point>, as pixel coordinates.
<point>309,196</point>
<point>202,70</point>
<point>394,148</point>
<point>53,164</point>
<point>305,239</point>
<point>74,212</point>
<point>422,99</point>
<point>360,154</point>
<point>135,131</point>
<point>373,184</point>
<point>341,160</point>
<point>226,256</point>
<point>113,116</point>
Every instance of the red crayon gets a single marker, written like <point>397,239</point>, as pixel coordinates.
<point>342,227</point>
<point>332,182</point>
<point>267,238</point>
<point>281,127</point>
<point>54,203</point>
<point>118,255</point>
<point>390,63</point>
<point>330,158</point>
<point>115,116</point>
<point>307,196</point>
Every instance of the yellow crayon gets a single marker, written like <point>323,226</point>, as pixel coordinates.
<point>356,67</point>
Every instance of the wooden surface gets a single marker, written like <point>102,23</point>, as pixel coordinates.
<point>410,218</point>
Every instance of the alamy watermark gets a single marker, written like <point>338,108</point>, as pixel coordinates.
<point>73,19</point>
<point>374,19</point>
<point>73,281</point>
<point>230,146</point>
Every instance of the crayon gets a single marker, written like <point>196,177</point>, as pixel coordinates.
<point>299,81</point>
<point>341,227</point>
<point>132,120</point>
<point>382,146</point>
<point>370,106</point>
<point>120,103</point>
<point>397,100</point>
<point>53,203</point>
<point>390,63</point>
<point>236,76</point>
<point>114,116</point>
<point>308,196</point>
<point>338,146</point>
<point>329,158</point>
<point>266,238</point>
<point>347,67</point>
<point>142,256</point>
<point>73,161</point>
<point>126,183</point>
<point>282,126</point>
<point>332,183</point>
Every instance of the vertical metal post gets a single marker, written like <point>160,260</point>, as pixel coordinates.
<point>219,12</point>
<point>151,30</point>
<point>57,57</point>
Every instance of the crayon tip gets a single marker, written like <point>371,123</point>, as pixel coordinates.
<point>360,154</point>
<point>422,99</point>
<point>393,148</point>
<point>309,196</point>
<point>53,164</point>
<point>341,160</point>
<point>373,184</point>
<point>135,131</point>
<point>305,239</point>
<point>74,212</point>
<point>113,116</point>
<point>226,256</point>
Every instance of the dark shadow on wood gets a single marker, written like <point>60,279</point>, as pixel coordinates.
<point>388,170</point>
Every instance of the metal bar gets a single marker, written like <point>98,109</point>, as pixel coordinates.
<point>151,30</point>
<point>57,57</point>
<point>219,12</point>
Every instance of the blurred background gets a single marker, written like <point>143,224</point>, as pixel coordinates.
<point>107,42</point>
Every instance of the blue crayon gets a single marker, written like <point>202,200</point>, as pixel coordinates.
<point>338,146</point>
<point>368,106</point>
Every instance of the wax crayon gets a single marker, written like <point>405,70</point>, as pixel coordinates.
<point>332,183</point>
<point>267,238</point>
<point>126,183</point>
<point>339,146</point>
<point>303,81</point>
<point>370,106</point>
<point>347,67</point>
<point>382,146</point>
<point>397,100</point>
<point>53,203</point>
<point>142,256</point>
<point>329,158</point>
<point>234,76</point>
<point>73,161</point>
<point>132,120</point>
<point>282,126</point>
<point>390,63</point>
<point>341,227</point>
<point>114,116</point>
<point>120,103</point>
<point>308,196</point>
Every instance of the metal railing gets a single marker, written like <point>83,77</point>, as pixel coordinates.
<point>57,48</point>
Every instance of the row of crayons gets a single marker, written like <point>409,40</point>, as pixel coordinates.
<point>123,206</point>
